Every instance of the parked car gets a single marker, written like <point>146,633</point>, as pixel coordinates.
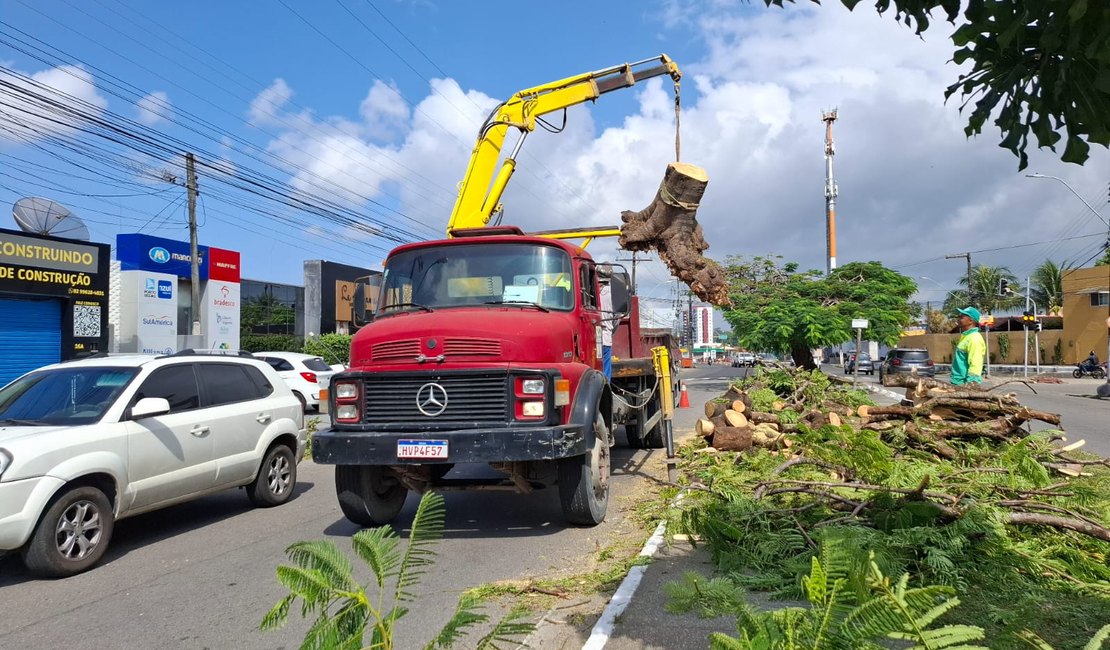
<point>305,374</point>
<point>86,443</point>
<point>866,366</point>
<point>743,360</point>
<point>905,360</point>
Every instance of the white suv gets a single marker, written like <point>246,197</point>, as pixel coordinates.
<point>85,443</point>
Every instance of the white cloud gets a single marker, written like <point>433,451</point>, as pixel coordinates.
<point>266,107</point>
<point>912,186</point>
<point>153,108</point>
<point>32,111</point>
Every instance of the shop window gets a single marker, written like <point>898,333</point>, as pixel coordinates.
<point>1100,299</point>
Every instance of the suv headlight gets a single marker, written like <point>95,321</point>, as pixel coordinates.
<point>5,461</point>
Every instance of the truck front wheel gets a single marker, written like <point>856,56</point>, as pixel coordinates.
<point>369,495</point>
<point>584,480</point>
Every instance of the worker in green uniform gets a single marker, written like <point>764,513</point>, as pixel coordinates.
<point>967,364</point>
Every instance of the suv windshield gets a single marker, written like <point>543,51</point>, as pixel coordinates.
<point>317,364</point>
<point>913,355</point>
<point>477,274</point>
<point>63,395</point>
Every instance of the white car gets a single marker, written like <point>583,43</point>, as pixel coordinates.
<point>305,374</point>
<point>86,443</point>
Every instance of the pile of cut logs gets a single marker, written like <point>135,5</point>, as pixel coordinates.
<point>939,412</point>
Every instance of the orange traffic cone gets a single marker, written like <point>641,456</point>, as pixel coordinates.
<point>683,398</point>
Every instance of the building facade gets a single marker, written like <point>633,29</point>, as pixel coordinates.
<point>53,300</point>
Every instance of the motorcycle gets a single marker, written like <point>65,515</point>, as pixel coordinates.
<point>1083,369</point>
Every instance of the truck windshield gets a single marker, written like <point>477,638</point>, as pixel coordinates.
<point>477,274</point>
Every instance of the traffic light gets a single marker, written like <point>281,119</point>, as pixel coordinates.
<point>1028,319</point>
<point>1003,287</point>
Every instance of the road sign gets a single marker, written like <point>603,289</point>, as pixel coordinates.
<point>859,323</point>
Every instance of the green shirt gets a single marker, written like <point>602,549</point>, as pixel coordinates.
<point>967,365</point>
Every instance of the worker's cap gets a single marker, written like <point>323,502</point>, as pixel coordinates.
<point>605,271</point>
<point>971,313</point>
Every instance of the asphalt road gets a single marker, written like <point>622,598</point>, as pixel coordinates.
<point>201,575</point>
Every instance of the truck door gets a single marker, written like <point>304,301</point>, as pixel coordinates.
<point>591,316</point>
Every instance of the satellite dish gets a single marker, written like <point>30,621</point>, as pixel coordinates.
<point>46,217</point>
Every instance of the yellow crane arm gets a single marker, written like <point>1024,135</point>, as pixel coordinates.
<point>480,190</point>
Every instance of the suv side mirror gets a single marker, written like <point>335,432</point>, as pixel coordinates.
<point>150,406</point>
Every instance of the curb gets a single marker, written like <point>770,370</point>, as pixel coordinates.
<point>603,628</point>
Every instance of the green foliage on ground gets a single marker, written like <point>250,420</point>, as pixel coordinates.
<point>891,501</point>
<point>346,612</point>
<point>840,616</point>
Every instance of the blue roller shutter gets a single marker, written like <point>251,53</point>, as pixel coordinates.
<point>30,335</point>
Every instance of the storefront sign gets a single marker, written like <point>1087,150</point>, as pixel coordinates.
<point>22,250</point>
<point>221,301</point>
<point>137,252</point>
<point>155,296</point>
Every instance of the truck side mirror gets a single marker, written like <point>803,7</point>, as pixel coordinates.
<point>362,302</point>
<point>620,295</point>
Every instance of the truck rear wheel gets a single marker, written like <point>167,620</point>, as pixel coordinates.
<point>369,495</point>
<point>584,480</point>
<point>638,438</point>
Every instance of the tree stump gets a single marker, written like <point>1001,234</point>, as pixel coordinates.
<point>668,226</point>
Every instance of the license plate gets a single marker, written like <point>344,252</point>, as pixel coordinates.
<point>421,449</point>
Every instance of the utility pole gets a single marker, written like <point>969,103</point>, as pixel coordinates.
<point>970,286</point>
<point>1026,328</point>
<point>690,321</point>
<point>634,260</point>
<point>194,256</point>
<point>828,117</point>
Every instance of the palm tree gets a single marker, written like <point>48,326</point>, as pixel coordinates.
<point>1046,286</point>
<point>984,284</point>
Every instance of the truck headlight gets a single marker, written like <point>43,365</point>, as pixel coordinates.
<point>532,386</point>
<point>346,391</point>
<point>532,409</point>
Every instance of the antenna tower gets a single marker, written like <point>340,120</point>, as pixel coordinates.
<point>828,117</point>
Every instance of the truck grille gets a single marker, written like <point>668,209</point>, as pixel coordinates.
<point>472,347</point>
<point>472,398</point>
<point>395,350</point>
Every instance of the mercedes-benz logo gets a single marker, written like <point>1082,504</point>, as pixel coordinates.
<point>431,399</point>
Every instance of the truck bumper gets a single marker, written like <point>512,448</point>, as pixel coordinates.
<point>348,447</point>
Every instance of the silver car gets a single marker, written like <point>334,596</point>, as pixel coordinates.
<point>86,443</point>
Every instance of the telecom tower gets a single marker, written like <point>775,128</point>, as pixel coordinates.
<point>828,117</point>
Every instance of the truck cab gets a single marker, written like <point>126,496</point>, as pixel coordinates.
<point>484,348</point>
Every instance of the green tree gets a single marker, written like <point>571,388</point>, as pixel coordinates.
<point>777,307</point>
<point>937,322</point>
<point>984,283</point>
<point>1037,66</point>
<point>1046,286</point>
<point>264,311</point>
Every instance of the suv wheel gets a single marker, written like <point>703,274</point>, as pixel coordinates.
<point>276,478</point>
<point>72,535</point>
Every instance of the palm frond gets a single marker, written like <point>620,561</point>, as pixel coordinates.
<point>379,548</point>
<point>508,632</point>
<point>325,558</point>
<point>466,616</point>
<point>427,528</point>
<point>1098,639</point>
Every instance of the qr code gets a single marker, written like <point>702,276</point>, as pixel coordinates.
<point>86,320</point>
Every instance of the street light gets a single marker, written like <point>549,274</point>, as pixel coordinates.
<point>1104,389</point>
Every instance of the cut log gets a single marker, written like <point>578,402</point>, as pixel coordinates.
<point>739,406</point>
<point>834,419</point>
<point>778,405</point>
<point>704,428</point>
<point>732,438</point>
<point>759,418</point>
<point>733,394</point>
<point>713,409</point>
<point>668,226</point>
<point>735,419</point>
<point>766,435</point>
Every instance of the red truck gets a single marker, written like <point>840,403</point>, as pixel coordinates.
<point>485,347</point>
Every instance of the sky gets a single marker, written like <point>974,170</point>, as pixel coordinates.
<point>373,106</point>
